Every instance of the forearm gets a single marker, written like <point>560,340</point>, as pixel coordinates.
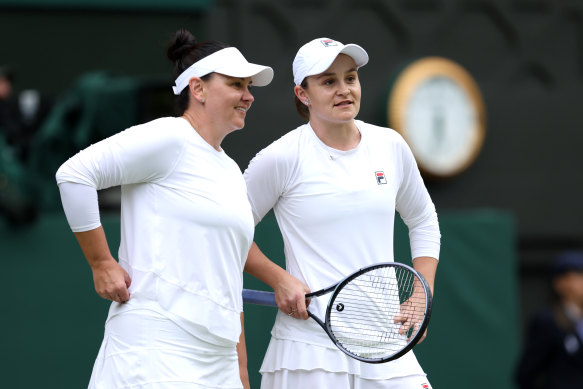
<point>289,291</point>
<point>94,246</point>
<point>427,266</point>
<point>262,268</point>
<point>110,279</point>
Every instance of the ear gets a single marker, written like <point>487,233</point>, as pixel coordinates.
<point>197,88</point>
<point>301,93</point>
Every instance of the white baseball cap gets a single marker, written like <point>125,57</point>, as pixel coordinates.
<point>228,61</point>
<point>316,56</point>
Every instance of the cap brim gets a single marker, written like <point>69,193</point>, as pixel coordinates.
<point>357,53</point>
<point>260,75</point>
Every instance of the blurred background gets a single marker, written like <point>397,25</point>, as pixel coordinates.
<point>73,72</point>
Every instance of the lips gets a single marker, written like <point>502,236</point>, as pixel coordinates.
<point>343,103</point>
<point>242,109</point>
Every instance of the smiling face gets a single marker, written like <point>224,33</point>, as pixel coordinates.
<point>227,100</point>
<point>334,95</point>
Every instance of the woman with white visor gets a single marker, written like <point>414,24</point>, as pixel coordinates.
<point>334,184</point>
<point>186,228</point>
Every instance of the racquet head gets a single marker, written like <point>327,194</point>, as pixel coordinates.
<point>379,313</point>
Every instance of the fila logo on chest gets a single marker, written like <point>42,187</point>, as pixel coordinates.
<point>380,176</point>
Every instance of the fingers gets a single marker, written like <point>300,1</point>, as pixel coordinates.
<point>120,295</point>
<point>291,298</point>
<point>296,307</point>
<point>112,282</point>
<point>415,326</point>
<point>302,305</point>
<point>409,323</point>
<point>127,279</point>
<point>302,311</point>
<point>423,337</point>
<point>405,321</point>
<point>123,295</point>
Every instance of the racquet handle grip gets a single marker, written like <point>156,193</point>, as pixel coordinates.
<point>259,297</point>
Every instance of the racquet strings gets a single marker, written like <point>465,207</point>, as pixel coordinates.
<point>367,314</point>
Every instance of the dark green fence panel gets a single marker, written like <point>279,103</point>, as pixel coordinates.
<point>52,321</point>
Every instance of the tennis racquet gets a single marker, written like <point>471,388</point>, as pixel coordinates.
<point>374,315</point>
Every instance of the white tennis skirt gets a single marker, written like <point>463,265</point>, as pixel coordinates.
<point>143,349</point>
<point>294,379</point>
<point>292,364</point>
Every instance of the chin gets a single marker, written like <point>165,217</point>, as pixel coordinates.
<point>347,117</point>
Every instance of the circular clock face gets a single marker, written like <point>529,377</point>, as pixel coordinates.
<point>437,107</point>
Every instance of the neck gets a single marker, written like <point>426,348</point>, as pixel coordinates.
<point>339,136</point>
<point>204,129</point>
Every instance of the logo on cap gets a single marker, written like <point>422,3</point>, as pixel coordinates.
<point>328,42</point>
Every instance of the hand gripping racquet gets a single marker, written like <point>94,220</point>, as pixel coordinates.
<point>374,315</point>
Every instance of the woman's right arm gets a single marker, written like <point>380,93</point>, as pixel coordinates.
<point>134,155</point>
<point>110,279</point>
<point>82,212</point>
<point>289,291</point>
<point>266,179</point>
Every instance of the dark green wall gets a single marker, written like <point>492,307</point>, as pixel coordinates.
<point>526,56</point>
<point>52,322</point>
<point>49,49</point>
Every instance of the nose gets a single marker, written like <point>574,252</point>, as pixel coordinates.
<point>247,96</point>
<point>343,89</point>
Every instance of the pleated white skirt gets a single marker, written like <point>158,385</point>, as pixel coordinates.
<point>142,349</point>
<point>288,379</point>
<point>290,364</point>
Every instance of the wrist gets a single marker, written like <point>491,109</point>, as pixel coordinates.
<point>99,262</point>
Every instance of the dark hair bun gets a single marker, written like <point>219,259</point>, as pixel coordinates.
<point>183,50</point>
<point>181,45</point>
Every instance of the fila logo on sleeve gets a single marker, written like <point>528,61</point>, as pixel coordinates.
<point>380,177</point>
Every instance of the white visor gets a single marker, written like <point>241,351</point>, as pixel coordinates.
<point>316,56</point>
<point>228,61</point>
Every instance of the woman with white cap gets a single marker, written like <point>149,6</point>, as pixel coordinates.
<point>175,320</point>
<point>334,184</point>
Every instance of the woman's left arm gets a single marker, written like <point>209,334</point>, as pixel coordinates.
<point>427,266</point>
<point>418,212</point>
<point>242,353</point>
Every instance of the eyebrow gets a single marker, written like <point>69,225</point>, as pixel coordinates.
<point>233,77</point>
<point>240,79</point>
<point>331,74</point>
